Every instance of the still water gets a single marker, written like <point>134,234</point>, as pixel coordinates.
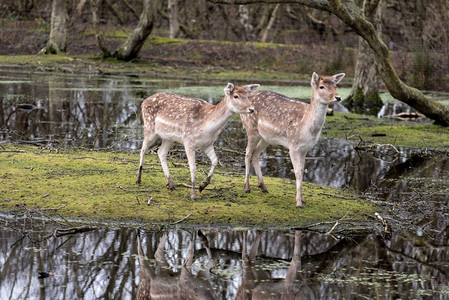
<point>187,264</point>
<point>64,110</point>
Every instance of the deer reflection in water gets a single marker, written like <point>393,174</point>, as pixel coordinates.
<point>256,283</point>
<point>158,282</point>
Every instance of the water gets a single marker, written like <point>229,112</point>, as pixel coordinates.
<point>122,264</point>
<point>103,112</point>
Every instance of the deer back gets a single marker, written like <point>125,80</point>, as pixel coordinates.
<point>276,117</point>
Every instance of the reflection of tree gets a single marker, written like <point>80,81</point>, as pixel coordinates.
<point>103,264</point>
<point>83,112</point>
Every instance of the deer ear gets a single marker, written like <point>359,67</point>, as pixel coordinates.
<point>251,87</point>
<point>314,80</point>
<point>228,89</point>
<point>337,78</point>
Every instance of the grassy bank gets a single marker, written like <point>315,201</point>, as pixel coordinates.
<point>371,130</point>
<point>99,186</point>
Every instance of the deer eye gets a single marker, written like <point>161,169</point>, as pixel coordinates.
<point>236,96</point>
<point>321,87</point>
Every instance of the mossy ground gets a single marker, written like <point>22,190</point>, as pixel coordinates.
<point>100,186</point>
<point>368,129</point>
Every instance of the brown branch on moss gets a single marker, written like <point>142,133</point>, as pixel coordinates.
<point>181,220</point>
<point>136,190</point>
<point>207,188</point>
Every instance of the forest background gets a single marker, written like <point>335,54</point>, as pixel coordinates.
<point>290,38</point>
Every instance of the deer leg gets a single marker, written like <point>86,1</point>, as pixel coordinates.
<point>298,159</point>
<point>255,247</point>
<point>190,250</point>
<point>252,142</point>
<point>261,145</point>
<point>162,153</point>
<point>190,152</point>
<point>210,152</point>
<point>147,142</point>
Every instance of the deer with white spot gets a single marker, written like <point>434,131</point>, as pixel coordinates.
<point>191,122</point>
<point>279,120</point>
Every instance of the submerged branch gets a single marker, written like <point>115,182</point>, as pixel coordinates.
<point>73,230</point>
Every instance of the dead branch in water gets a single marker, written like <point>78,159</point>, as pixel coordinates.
<point>74,230</point>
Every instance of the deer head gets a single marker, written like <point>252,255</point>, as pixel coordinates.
<point>324,89</point>
<point>237,97</point>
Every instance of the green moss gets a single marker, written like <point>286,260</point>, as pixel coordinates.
<point>161,40</point>
<point>370,129</point>
<point>101,186</point>
<point>370,103</point>
<point>33,60</point>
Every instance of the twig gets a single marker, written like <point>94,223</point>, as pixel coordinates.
<point>323,223</point>
<point>336,196</point>
<point>230,150</point>
<point>60,232</point>
<point>384,223</point>
<point>183,219</point>
<point>207,188</point>
<point>135,191</point>
<point>332,229</point>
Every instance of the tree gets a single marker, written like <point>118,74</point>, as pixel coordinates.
<point>131,47</point>
<point>364,96</point>
<point>173,13</point>
<point>353,16</point>
<point>58,33</point>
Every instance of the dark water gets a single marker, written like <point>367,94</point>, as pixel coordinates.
<point>103,112</point>
<point>177,264</point>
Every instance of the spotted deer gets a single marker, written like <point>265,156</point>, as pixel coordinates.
<point>256,283</point>
<point>191,122</point>
<point>279,120</point>
<point>158,281</point>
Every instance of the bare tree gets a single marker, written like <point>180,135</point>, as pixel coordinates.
<point>131,47</point>
<point>173,15</point>
<point>352,15</point>
<point>364,96</point>
<point>266,29</point>
<point>58,33</point>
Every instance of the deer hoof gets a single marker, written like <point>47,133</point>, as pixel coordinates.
<point>138,181</point>
<point>263,188</point>
<point>299,207</point>
<point>203,186</point>
<point>248,191</point>
<point>171,186</point>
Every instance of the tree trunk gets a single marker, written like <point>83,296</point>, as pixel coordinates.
<point>246,23</point>
<point>95,4</point>
<point>58,29</point>
<point>364,97</point>
<point>265,31</point>
<point>173,15</point>
<point>352,16</point>
<point>131,47</point>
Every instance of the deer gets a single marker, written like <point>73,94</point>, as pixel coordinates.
<point>192,122</point>
<point>256,284</point>
<point>157,281</point>
<point>279,120</point>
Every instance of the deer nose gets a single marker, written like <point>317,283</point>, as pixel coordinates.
<point>250,110</point>
<point>337,98</point>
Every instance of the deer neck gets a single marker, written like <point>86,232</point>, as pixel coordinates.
<point>217,117</point>
<point>316,116</point>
